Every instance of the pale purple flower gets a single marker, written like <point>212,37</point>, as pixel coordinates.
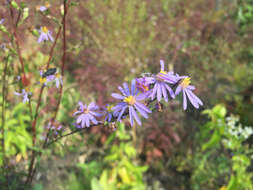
<point>42,8</point>
<point>130,100</point>
<point>2,21</point>
<point>161,87</point>
<point>45,35</point>
<point>187,93</point>
<point>24,94</point>
<point>86,115</point>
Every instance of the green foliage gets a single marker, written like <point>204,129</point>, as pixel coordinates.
<point>224,153</point>
<point>17,138</point>
<point>245,13</point>
<point>117,170</point>
<point>122,172</point>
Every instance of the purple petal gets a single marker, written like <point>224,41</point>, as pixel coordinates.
<point>92,105</point>
<point>87,122</point>
<point>154,91</point>
<point>164,92</point>
<point>122,112</point>
<point>195,97</point>
<point>122,90</point>
<point>159,93</point>
<point>192,100</point>
<point>131,117</point>
<point>133,86</point>
<point>81,106</point>
<point>170,91</point>
<point>126,89</point>
<point>184,101</point>
<point>191,87</point>
<point>178,90</point>
<point>93,119</point>
<point>17,94</point>
<point>162,65</point>
<point>135,115</point>
<point>50,36</point>
<point>143,107</point>
<point>142,112</point>
<point>117,96</point>
<point>40,39</point>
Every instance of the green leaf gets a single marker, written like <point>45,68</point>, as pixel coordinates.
<point>215,139</point>
<point>95,185</point>
<point>15,5</point>
<point>232,185</point>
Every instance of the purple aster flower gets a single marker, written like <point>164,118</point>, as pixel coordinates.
<point>187,89</point>
<point>131,101</point>
<point>42,8</point>
<point>45,35</point>
<point>2,21</point>
<point>86,115</point>
<point>24,94</point>
<point>161,86</point>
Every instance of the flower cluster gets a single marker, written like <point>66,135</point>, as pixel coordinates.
<point>134,101</point>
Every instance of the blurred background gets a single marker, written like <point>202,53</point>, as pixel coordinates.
<point>112,41</point>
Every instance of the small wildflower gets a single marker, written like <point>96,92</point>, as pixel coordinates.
<point>2,21</point>
<point>161,84</point>
<point>187,89</point>
<point>86,115</point>
<point>24,94</point>
<point>130,100</point>
<point>43,8</point>
<point>45,34</point>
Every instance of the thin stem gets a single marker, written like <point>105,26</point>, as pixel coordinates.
<point>4,90</point>
<point>15,25</point>
<point>32,169</point>
<point>70,133</point>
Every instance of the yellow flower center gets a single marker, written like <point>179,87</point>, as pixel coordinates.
<point>109,108</point>
<point>57,75</point>
<point>130,100</point>
<point>160,75</point>
<point>42,80</point>
<point>47,5</point>
<point>86,111</point>
<point>44,29</point>
<point>185,82</point>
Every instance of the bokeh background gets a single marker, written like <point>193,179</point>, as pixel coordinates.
<point>112,41</point>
